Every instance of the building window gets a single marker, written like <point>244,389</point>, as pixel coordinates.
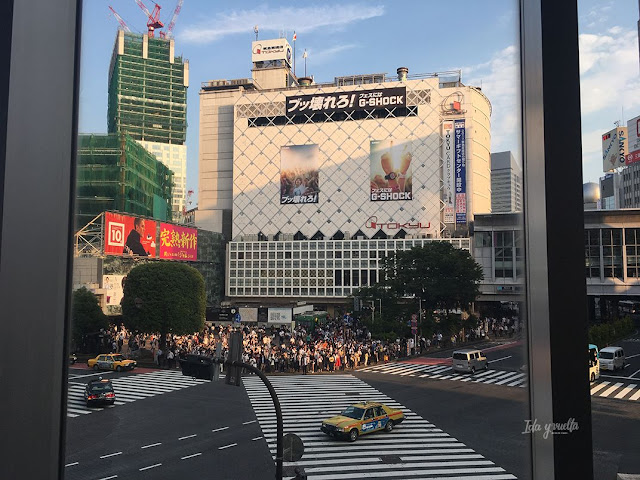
<point>592,252</point>
<point>612,252</point>
<point>503,254</point>
<point>632,242</point>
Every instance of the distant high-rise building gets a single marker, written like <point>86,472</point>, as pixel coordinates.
<point>115,172</point>
<point>506,183</point>
<point>148,101</point>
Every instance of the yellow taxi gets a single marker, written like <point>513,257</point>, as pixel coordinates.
<point>112,361</point>
<point>361,419</point>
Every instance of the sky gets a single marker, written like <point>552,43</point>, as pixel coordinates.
<point>367,36</point>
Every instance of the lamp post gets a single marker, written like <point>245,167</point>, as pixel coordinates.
<point>373,309</point>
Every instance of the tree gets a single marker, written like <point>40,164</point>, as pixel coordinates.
<point>442,276</point>
<point>164,297</point>
<point>86,315</point>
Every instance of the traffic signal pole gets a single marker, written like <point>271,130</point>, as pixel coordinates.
<point>276,403</point>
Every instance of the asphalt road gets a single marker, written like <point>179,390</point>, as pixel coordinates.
<point>172,428</point>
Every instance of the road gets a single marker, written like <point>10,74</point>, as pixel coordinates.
<point>458,426</point>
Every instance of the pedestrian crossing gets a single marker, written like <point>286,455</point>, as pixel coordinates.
<point>414,449</point>
<point>603,389</point>
<point>444,372</point>
<point>129,389</point>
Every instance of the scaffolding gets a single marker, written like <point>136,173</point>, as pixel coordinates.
<point>148,90</point>
<point>115,172</point>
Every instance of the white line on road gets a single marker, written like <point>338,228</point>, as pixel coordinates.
<point>610,390</point>
<point>152,445</point>
<point>247,423</point>
<point>633,374</point>
<point>190,456</point>
<point>111,455</point>
<point>90,375</point>
<point>615,376</point>
<point>188,436</point>
<point>109,478</point>
<point>626,390</point>
<point>150,466</point>
<point>635,396</point>
<point>227,446</point>
<point>633,356</point>
<point>497,360</point>
<point>598,387</point>
<point>71,464</point>
<point>257,438</point>
<point>218,429</point>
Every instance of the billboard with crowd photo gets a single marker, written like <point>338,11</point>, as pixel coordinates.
<point>391,173</point>
<point>125,235</point>
<point>299,171</point>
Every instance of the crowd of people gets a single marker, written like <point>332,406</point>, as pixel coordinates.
<point>333,346</point>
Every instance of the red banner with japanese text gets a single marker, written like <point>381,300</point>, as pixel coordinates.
<point>178,243</point>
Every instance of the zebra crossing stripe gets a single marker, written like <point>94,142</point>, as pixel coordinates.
<point>625,390</point>
<point>130,389</point>
<point>598,387</point>
<point>635,396</point>
<point>610,390</point>
<point>510,377</point>
<point>424,449</point>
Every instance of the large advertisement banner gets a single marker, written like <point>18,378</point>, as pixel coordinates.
<point>461,171</point>
<point>391,173</point>
<point>125,235</point>
<point>178,243</point>
<point>448,173</point>
<point>299,172</point>
<point>347,101</point>
<point>633,127</point>
<point>614,149</point>
<point>114,285</point>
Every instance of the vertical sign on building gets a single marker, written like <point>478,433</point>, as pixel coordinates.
<point>460,153</point>
<point>633,134</point>
<point>448,172</point>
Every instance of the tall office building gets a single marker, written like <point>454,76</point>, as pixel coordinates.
<point>148,101</point>
<point>506,183</point>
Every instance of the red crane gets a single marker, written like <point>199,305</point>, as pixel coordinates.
<point>122,23</point>
<point>176,12</point>
<point>154,21</point>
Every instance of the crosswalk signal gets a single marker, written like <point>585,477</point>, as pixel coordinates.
<point>235,355</point>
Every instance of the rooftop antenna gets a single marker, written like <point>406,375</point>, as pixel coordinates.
<point>255,30</point>
<point>304,55</point>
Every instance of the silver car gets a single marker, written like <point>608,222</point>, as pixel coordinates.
<point>468,361</point>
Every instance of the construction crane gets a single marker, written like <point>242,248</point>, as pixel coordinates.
<point>154,21</point>
<point>122,23</point>
<point>176,12</point>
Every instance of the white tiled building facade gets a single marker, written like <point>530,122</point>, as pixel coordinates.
<point>291,250</point>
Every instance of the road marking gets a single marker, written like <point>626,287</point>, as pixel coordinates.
<point>90,375</point>
<point>633,374</point>
<point>625,390</point>
<point>635,396</point>
<point>150,466</point>
<point>190,456</point>
<point>499,359</point>
<point>257,438</point>
<point>188,436</point>
<point>247,423</point>
<point>218,429</point>
<point>227,446</point>
<point>598,387</point>
<point>111,455</point>
<point>152,445</point>
<point>614,376</point>
<point>109,478</point>
<point>71,464</point>
<point>610,390</point>
<point>633,356</point>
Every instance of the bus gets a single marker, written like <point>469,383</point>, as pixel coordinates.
<point>629,307</point>
<point>594,363</point>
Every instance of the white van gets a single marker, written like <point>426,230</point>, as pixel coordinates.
<point>468,361</point>
<point>612,358</point>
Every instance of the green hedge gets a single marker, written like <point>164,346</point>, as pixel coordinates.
<point>606,333</point>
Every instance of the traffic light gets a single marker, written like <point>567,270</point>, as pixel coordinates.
<point>235,355</point>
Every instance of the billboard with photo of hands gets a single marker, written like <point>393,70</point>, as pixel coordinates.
<point>391,172</point>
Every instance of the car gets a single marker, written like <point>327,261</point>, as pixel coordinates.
<point>72,358</point>
<point>99,392</point>
<point>468,360</point>
<point>111,361</point>
<point>612,358</point>
<point>361,419</point>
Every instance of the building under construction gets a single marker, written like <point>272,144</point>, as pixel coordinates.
<point>115,172</point>
<point>148,101</point>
